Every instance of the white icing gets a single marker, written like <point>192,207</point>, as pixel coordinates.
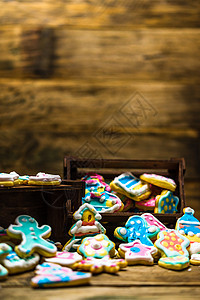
<point>194,248</point>
<point>138,221</point>
<point>132,222</point>
<point>78,215</point>
<point>85,229</point>
<point>96,246</point>
<point>152,228</point>
<point>87,199</point>
<point>190,233</point>
<point>189,222</point>
<point>45,177</point>
<point>20,263</point>
<point>189,210</point>
<point>198,234</point>
<point>181,231</point>
<point>123,231</point>
<point>195,256</point>
<point>159,177</point>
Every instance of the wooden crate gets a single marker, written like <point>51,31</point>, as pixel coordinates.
<point>47,204</point>
<point>75,168</point>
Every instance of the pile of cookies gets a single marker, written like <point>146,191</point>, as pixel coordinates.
<point>14,179</point>
<point>24,246</point>
<point>150,193</point>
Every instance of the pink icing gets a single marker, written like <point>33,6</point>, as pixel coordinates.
<point>159,177</point>
<point>147,203</point>
<point>153,221</point>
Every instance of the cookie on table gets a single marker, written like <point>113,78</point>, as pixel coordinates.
<point>99,265</point>
<point>166,203</point>
<point>9,179</point>
<point>98,246</point>
<point>44,179</point>
<point>15,264</point>
<point>65,259</point>
<point>50,275</point>
<point>160,181</point>
<point>130,186</point>
<point>137,253</point>
<point>171,244</point>
<point>32,237</point>
<point>4,251</point>
<point>136,228</point>
<point>189,226</point>
<point>195,259</point>
<point>87,224</point>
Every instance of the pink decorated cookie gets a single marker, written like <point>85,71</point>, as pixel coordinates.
<point>137,253</point>
<point>146,204</point>
<point>52,275</point>
<point>153,221</point>
<point>65,259</point>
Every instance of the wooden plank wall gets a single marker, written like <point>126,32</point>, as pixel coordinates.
<point>99,79</point>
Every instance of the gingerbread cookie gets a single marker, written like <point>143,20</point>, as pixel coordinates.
<point>52,275</point>
<point>4,251</point>
<point>32,237</point>
<point>188,225</point>
<point>160,181</point>
<point>106,264</point>
<point>137,253</point>
<point>65,259</point>
<point>98,246</point>
<point>130,186</point>
<point>171,244</point>
<point>44,179</point>
<point>15,264</point>
<point>166,202</point>
<point>136,228</point>
<point>87,225</point>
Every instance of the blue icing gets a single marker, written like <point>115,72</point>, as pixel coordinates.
<point>168,203</point>
<point>188,223</point>
<point>135,249</point>
<point>136,229</point>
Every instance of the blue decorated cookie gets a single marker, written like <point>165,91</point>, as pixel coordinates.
<point>136,228</point>
<point>32,237</point>
<point>166,202</point>
<point>189,226</point>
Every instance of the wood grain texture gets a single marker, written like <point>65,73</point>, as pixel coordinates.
<point>138,55</point>
<point>102,14</point>
<point>42,121</point>
<point>106,293</point>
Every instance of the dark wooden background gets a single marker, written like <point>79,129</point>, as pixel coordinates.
<point>101,79</point>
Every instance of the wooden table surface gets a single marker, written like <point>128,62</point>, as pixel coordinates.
<point>135,282</point>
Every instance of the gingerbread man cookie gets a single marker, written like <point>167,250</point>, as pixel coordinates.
<point>98,246</point>
<point>160,181</point>
<point>32,236</point>
<point>137,253</point>
<point>171,244</point>
<point>166,202</point>
<point>87,225</point>
<point>189,226</point>
<point>52,275</point>
<point>105,264</point>
<point>136,228</point>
